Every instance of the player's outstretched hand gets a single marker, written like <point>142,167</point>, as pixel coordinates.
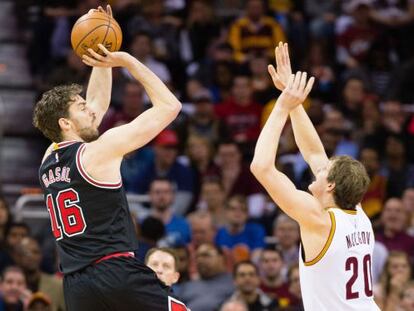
<point>296,91</point>
<point>283,71</point>
<point>107,59</point>
<point>100,9</point>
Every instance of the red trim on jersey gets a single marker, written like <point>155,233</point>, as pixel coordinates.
<point>114,255</point>
<point>176,305</point>
<point>88,178</point>
<point>64,144</point>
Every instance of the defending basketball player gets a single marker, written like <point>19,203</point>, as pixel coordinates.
<point>336,236</point>
<point>80,176</point>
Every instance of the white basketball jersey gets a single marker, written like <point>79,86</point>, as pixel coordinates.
<point>340,277</point>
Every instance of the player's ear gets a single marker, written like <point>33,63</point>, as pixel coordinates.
<point>64,123</point>
<point>331,186</point>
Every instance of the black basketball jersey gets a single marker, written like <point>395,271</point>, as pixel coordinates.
<point>90,219</point>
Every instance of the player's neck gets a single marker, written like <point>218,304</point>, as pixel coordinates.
<point>71,137</point>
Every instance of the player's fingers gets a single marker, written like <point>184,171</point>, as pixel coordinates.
<point>271,69</point>
<point>296,81</point>
<point>280,55</point>
<point>103,49</point>
<point>303,81</point>
<point>309,86</point>
<point>86,62</point>
<point>290,82</point>
<point>96,55</point>
<point>109,10</point>
<point>100,9</point>
<point>286,53</point>
<point>90,60</point>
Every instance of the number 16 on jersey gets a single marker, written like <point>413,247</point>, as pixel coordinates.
<point>66,216</point>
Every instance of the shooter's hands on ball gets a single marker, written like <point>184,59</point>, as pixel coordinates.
<point>100,9</point>
<point>108,59</point>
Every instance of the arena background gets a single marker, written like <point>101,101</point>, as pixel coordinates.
<point>214,56</point>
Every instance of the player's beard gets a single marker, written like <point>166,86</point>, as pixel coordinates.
<point>88,134</point>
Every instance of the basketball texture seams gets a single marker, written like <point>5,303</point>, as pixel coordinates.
<point>94,28</point>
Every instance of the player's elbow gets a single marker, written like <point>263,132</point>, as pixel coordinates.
<point>175,107</point>
<point>257,168</point>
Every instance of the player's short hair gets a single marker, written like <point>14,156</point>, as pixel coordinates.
<point>54,105</point>
<point>351,181</point>
<point>166,250</point>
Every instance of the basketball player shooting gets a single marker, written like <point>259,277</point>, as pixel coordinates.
<point>337,240</point>
<point>80,176</point>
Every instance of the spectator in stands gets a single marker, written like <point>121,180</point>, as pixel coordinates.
<point>165,165</point>
<point>14,292</point>
<point>394,219</point>
<point>319,63</point>
<point>200,153</point>
<point>214,285</point>
<point>72,71</point>
<point>5,219</point>
<point>203,121</point>
<point>295,303</point>
<point>177,229</point>
<point>273,282</point>
<point>201,29</point>
<point>355,42</point>
<point>241,114</point>
<point>286,232</point>
<point>212,199</point>
<point>164,263</point>
<point>161,28</point>
<point>244,239</point>
<point>234,305</point>
<point>351,102</point>
<point>235,175</point>
<point>374,197</point>
<point>254,33</point>
<point>399,172</point>
<point>142,48</point>
<point>39,302</point>
<point>321,16</point>
<point>202,228</point>
<point>29,259</point>
<point>407,298</point>
<point>183,261</point>
<point>14,235</point>
<point>247,281</point>
<point>408,202</point>
<point>340,127</point>
<point>395,277</point>
<point>150,231</point>
<point>393,117</point>
<point>203,231</point>
<point>262,85</point>
<point>132,106</point>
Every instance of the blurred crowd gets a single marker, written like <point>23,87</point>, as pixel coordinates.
<point>236,250</point>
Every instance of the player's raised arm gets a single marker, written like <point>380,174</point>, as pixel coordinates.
<point>121,140</point>
<point>98,93</point>
<point>299,205</point>
<point>305,133</point>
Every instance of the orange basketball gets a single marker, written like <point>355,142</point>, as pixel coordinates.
<point>94,28</point>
